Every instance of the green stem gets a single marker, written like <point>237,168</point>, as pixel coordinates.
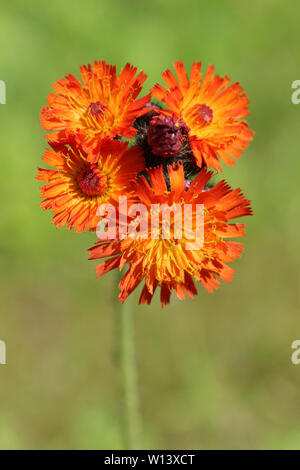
<point>127,365</point>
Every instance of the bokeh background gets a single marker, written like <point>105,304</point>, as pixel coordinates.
<point>215,372</point>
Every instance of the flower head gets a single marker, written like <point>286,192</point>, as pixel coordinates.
<point>77,186</point>
<point>211,109</point>
<point>166,135</point>
<point>104,105</point>
<point>171,262</point>
<point>164,140</point>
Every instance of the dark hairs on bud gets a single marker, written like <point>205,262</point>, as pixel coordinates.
<point>184,156</point>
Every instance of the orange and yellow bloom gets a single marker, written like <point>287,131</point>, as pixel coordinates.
<point>103,105</point>
<point>168,263</point>
<point>92,168</point>
<point>76,187</point>
<point>211,109</point>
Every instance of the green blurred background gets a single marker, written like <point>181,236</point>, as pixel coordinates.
<point>214,372</point>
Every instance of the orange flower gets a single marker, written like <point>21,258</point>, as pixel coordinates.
<point>105,105</point>
<point>211,110</point>
<point>77,187</point>
<point>170,262</point>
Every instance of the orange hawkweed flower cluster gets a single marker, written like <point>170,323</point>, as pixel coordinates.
<point>200,124</point>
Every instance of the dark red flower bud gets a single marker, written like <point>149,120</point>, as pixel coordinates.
<point>166,135</point>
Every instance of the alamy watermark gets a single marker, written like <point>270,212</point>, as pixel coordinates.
<point>295,357</point>
<point>2,92</point>
<point>140,222</point>
<point>295,98</point>
<point>2,352</point>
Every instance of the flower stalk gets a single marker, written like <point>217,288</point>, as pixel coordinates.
<point>131,425</point>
